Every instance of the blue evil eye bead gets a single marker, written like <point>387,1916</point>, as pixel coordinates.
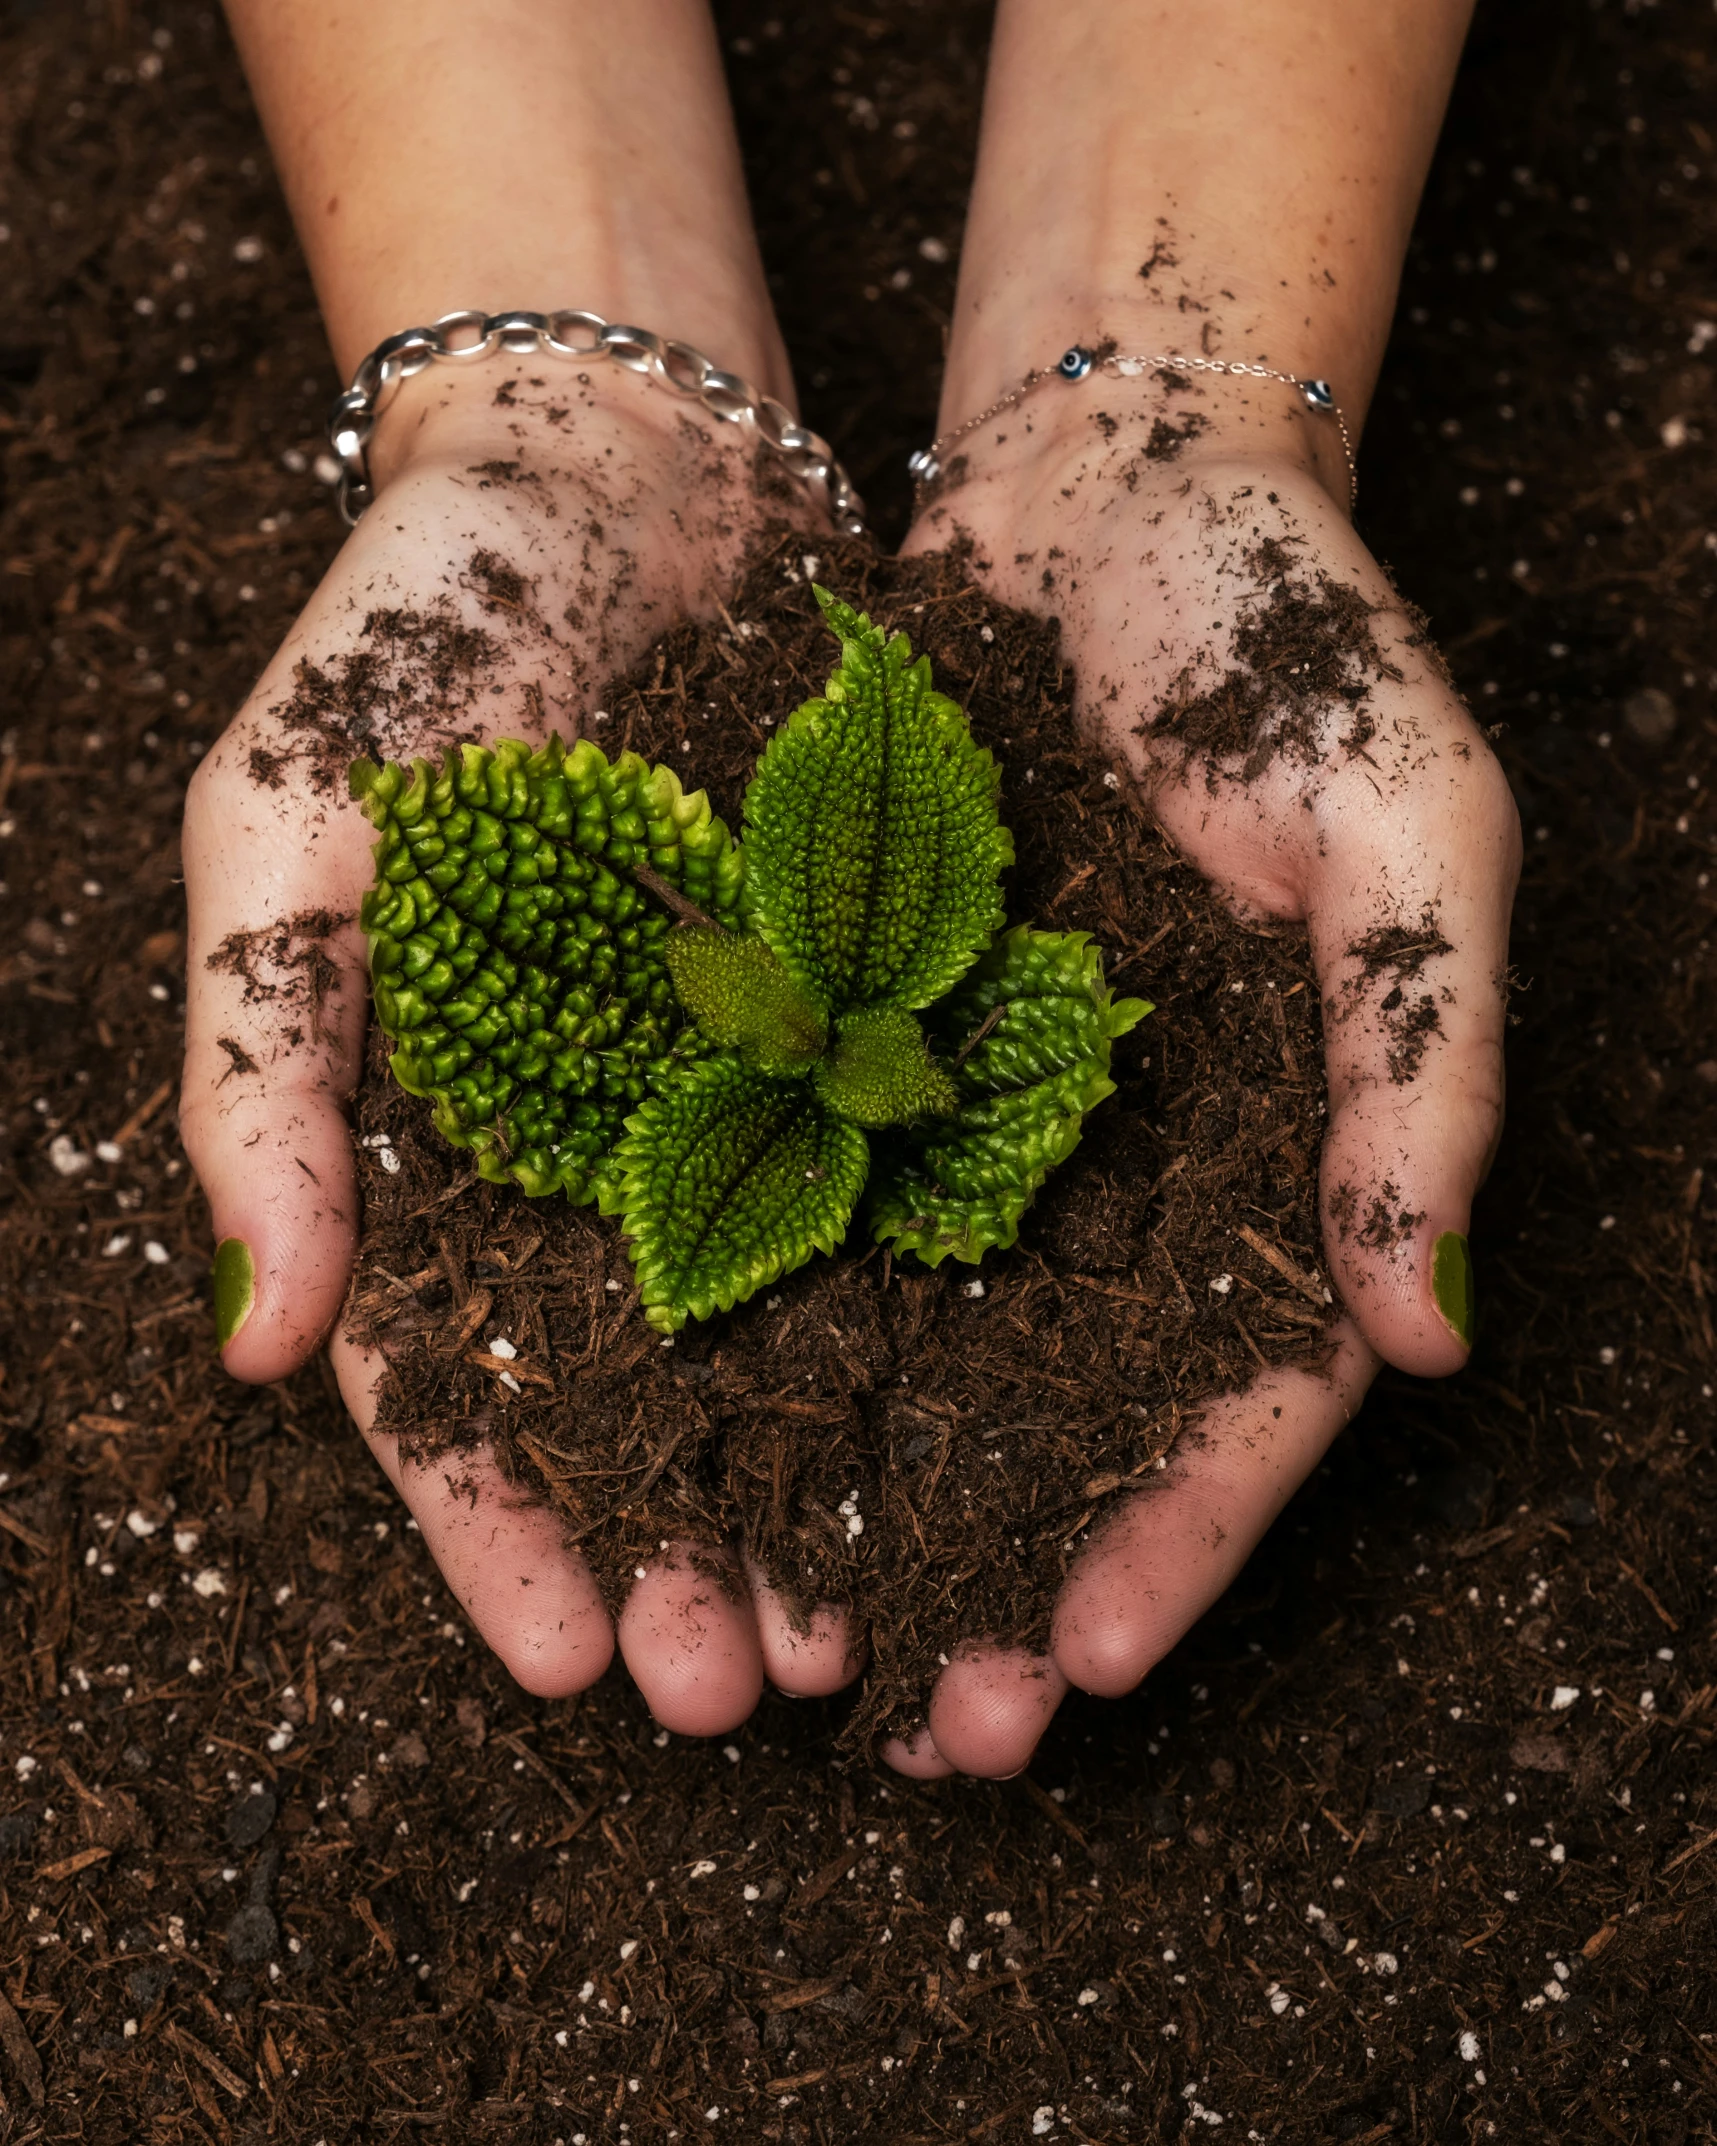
<point>1075,363</point>
<point>1319,395</point>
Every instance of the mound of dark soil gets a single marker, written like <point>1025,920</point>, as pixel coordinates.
<point>979,1419</point>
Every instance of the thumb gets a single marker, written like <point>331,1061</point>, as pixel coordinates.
<point>1410,934</point>
<point>274,1036</point>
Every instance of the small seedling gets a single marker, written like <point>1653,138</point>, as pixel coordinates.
<point>839,1010</point>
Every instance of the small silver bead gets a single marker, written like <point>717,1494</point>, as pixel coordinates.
<point>1318,393</point>
<point>923,466</point>
<point>1075,362</point>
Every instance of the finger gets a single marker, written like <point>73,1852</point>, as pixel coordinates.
<point>690,1641</point>
<point>274,1033</point>
<point>1408,912</point>
<point>1171,1550</point>
<point>532,1600</point>
<point>916,1756</point>
<point>805,1662</point>
<point>990,1706</point>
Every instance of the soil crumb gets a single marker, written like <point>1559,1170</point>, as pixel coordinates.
<point>1388,1223</point>
<point>284,963</point>
<point>1166,440</point>
<point>979,1421</point>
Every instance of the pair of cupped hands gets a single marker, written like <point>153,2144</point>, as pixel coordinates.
<point>621,517</point>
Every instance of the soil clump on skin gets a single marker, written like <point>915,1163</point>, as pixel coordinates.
<point>1306,648</point>
<point>1395,955</point>
<point>417,677</point>
<point>980,1420</point>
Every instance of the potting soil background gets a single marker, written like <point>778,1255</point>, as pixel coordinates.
<point>1427,1798</point>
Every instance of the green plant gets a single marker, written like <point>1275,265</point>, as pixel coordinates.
<point>844,1011</point>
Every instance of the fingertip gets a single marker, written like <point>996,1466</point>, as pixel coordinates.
<point>915,1756</point>
<point>275,1161</point>
<point>533,1601</point>
<point>805,1658</point>
<point>991,1706</point>
<point>691,1646</point>
<point>1411,1294</point>
<point>559,1659</point>
<point>1168,1550</point>
<point>1099,1639</point>
<point>281,1268</point>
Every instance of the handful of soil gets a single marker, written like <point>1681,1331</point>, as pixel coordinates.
<point>928,1447</point>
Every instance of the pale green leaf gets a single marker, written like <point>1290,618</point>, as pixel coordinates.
<point>880,1071</point>
<point>743,999</point>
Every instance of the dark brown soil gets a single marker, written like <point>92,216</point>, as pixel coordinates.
<point>435,1867</point>
<point>981,1418</point>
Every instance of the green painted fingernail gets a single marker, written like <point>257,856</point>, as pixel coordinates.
<point>235,1287</point>
<point>1452,1283</point>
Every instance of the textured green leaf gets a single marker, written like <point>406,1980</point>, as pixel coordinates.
<point>519,968</point>
<point>728,1179</point>
<point>1024,1089</point>
<point>880,1071</point>
<point>872,845</point>
<point>742,999</point>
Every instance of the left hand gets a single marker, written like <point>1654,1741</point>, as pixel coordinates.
<point>1391,812</point>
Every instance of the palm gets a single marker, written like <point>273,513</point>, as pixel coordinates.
<point>487,592</point>
<point>1241,652</point>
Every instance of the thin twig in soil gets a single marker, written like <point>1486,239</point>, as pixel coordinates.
<point>582,1813</point>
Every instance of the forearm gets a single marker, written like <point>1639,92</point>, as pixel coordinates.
<point>495,153</point>
<point>1228,178</point>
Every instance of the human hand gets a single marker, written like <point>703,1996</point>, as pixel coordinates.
<point>513,559</point>
<point>1240,650</point>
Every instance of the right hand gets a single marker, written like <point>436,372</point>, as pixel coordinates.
<point>594,509</point>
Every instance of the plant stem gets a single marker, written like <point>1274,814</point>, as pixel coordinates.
<point>979,1033</point>
<point>671,898</point>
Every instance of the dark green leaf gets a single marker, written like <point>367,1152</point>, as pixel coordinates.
<point>517,965</point>
<point>872,844</point>
<point>727,1180</point>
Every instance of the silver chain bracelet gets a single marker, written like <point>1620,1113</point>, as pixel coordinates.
<point>461,338</point>
<point>1078,363</point>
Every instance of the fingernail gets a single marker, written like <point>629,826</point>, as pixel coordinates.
<point>235,1288</point>
<point>1452,1284</point>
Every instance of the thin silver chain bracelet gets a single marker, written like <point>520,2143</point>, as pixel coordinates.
<point>1078,363</point>
<point>461,338</point>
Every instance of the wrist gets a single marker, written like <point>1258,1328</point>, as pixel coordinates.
<point>555,413</point>
<point>1146,434</point>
